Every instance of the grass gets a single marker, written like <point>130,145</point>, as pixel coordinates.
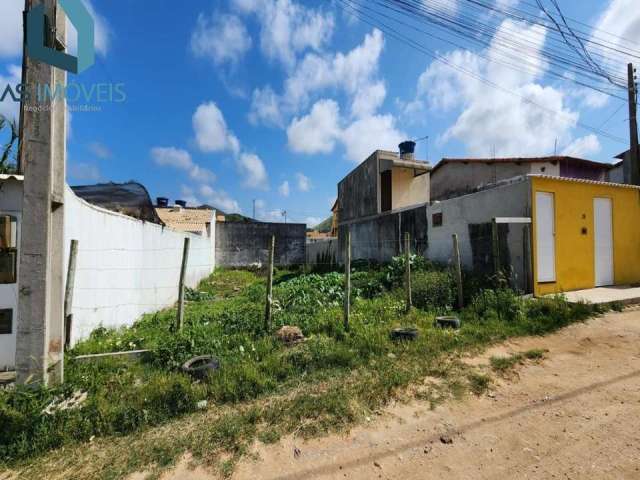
<point>145,413</point>
<point>504,365</point>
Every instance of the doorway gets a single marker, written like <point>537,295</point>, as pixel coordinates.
<point>545,237</point>
<point>603,238</point>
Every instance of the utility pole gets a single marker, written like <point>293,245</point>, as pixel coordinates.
<point>254,209</point>
<point>40,331</point>
<point>284,214</point>
<point>634,162</point>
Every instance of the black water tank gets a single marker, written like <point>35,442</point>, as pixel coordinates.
<point>182,203</point>
<point>162,202</point>
<point>407,147</point>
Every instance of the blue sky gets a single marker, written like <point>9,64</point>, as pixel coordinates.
<point>276,100</point>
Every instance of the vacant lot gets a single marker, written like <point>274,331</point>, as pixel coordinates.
<point>148,414</point>
<point>575,415</point>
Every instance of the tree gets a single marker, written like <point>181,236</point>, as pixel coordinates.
<point>9,152</point>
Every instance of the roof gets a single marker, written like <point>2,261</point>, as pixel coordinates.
<point>130,198</point>
<point>186,219</point>
<point>553,158</point>
<point>589,182</point>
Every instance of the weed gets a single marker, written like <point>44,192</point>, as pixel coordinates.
<point>263,389</point>
<point>478,383</point>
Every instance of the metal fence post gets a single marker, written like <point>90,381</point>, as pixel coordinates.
<point>457,265</point>
<point>267,312</point>
<point>407,269</point>
<point>347,280</point>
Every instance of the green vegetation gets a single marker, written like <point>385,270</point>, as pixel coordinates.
<point>263,389</point>
<point>504,365</point>
<point>324,226</point>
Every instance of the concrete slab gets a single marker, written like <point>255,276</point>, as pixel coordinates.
<point>624,294</point>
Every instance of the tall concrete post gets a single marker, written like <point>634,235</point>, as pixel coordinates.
<point>40,330</point>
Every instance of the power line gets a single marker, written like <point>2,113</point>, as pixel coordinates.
<point>361,14</point>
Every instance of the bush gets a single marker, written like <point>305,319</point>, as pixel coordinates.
<point>503,304</point>
<point>432,290</point>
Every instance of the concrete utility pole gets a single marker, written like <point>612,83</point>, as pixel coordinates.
<point>634,166</point>
<point>40,332</point>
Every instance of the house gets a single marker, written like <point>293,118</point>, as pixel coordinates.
<point>184,219</point>
<point>384,182</point>
<point>381,197</point>
<point>453,177</point>
<point>541,220</point>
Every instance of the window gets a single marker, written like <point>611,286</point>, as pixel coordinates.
<point>8,249</point>
<point>436,219</point>
<point>6,321</point>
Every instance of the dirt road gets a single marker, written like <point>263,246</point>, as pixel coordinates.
<point>575,415</point>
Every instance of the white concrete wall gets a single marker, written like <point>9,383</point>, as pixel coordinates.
<point>126,267</point>
<point>10,204</point>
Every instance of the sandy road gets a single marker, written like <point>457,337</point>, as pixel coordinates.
<point>575,415</point>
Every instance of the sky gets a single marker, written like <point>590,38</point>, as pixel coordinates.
<point>237,103</point>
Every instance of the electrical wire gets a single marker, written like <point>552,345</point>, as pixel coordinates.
<point>354,8</point>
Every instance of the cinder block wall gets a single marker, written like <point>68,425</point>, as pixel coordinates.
<point>246,244</point>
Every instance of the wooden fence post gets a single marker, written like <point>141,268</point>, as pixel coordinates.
<point>183,272</point>
<point>407,269</point>
<point>495,249</point>
<point>347,280</point>
<point>267,312</point>
<point>457,265</point>
<point>68,292</point>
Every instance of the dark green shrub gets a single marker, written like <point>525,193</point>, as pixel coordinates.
<point>503,304</point>
<point>432,290</point>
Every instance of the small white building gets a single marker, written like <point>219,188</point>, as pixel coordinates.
<point>10,220</point>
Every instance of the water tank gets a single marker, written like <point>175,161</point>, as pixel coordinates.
<point>182,203</point>
<point>162,202</point>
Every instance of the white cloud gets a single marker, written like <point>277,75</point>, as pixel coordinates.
<point>11,28</point>
<point>208,195</point>
<point>284,189</point>
<point>83,172</point>
<point>368,99</point>
<point>100,150</point>
<point>102,32</point>
<point>212,134</point>
<point>304,184</point>
<point>312,221</point>
<point>509,121</point>
<point>253,171</point>
<point>8,107</point>
<point>352,73</point>
<point>319,132</point>
<point>619,24</point>
<point>316,132</point>
<point>287,27</point>
<point>181,159</point>
<point>265,107</point>
<point>221,38</point>
<point>583,147</point>
<point>377,132</point>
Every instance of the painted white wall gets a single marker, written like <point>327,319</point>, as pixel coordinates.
<point>10,204</point>
<point>127,267</point>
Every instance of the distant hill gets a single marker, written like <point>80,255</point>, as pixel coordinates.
<point>229,217</point>
<point>324,226</point>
